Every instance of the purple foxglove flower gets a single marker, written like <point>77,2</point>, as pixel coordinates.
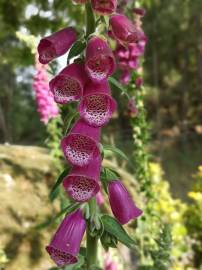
<point>56,44</point>
<point>132,109</point>
<point>139,11</point>
<point>83,182</point>
<point>125,77</point>
<point>124,30</point>
<point>104,7</point>
<point>99,198</point>
<point>121,202</point>
<point>139,82</point>
<point>80,146</point>
<point>100,62</point>
<point>65,244</point>
<point>68,85</point>
<point>97,105</point>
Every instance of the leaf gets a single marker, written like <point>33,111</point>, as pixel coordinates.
<point>117,84</point>
<point>76,49</point>
<point>69,119</point>
<point>54,192</point>
<point>113,227</point>
<point>115,150</point>
<point>67,210</point>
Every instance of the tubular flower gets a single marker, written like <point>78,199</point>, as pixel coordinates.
<point>82,182</point>
<point>65,244</point>
<point>124,30</point>
<point>97,105</point>
<point>80,146</point>
<point>104,7</point>
<point>46,106</point>
<point>121,202</point>
<point>56,44</point>
<point>100,62</point>
<point>68,85</point>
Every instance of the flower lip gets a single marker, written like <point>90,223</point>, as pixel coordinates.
<point>97,108</point>
<point>80,187</point>
<point>74,150</point>
<point>65,89</point>
<point>60,257</point>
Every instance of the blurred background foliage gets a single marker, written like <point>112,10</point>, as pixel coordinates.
<point>170,237</point>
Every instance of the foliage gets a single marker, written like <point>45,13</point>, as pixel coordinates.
<point>193,218</point>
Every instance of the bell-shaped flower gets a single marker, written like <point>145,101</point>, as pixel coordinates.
<point>122,205</point>
<point>83,182</point>
<point>68,85</point>
<point>97,105</point>
<point>65,245</point>
<point>100,62</point>
<point>104,7</point>
<point>56,44</point>
<point>80,146</point>
<point>124,30</point>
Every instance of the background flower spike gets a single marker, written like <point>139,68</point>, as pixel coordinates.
<point>80,146</point>
<point>68,85</point>
<point>56,44</point>
<point>65,245</point>
<point>83,182</point>
<point>97,105</point>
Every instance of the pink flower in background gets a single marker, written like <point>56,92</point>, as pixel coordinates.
<point>99,198</point>
<point>104,7</point>
<point>109,264</point>
<point>139,11</point>
<point>56,44</point>
<point>139,82</point>
<point>46,106</point>
<point>65,245</point>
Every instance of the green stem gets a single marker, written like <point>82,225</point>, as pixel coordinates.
<point>90,20</point>
<point>91,241</point>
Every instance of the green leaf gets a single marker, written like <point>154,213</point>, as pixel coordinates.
<point>113,227</point>
<point>67,210</point>
<point>115,150</point>
<point>76,49</point>
<point>69,119</point>
<point>54,192</point>
<point>117,84</point>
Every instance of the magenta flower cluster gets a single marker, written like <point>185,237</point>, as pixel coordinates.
<point>46,106</point>
<point>128,58</point>
<point>87,83</point>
